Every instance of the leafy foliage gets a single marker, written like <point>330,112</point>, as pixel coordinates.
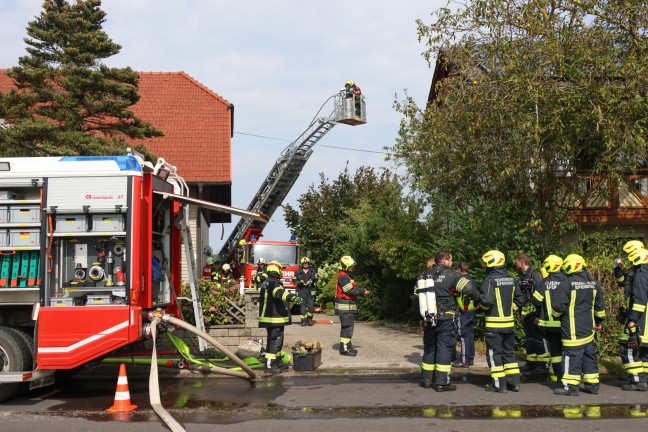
<point>67,102</point>
<point>213,299</point>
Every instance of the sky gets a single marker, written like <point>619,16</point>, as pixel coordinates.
<point>277,61</point>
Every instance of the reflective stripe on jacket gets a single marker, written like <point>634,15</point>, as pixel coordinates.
<point>500,297</point>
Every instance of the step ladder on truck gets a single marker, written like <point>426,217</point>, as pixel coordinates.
<point>90,261</point>
<point>244,243</point>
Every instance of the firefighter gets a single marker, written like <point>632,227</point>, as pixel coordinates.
<point>500,297</point>
<point>629,355</point>
<point>637,328</point>
<point>346,305</point>
<point>260,275</point>
<point>530,279</point>
<point>274,314</point>
<point>548,325</point>
<point>436,288</point>
<point>305,279</point>
<point>466,330</point>
<point>224,276</point>
<point>579,303</point>
<point>208,268</point>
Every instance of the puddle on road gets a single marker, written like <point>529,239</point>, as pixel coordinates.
<point>232,401</point>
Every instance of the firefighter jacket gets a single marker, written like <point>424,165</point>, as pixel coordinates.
<point>578,302</point>
<point>259,278</point>
<point>530,280</point>
<point>542,301</point>
<point>448,284</point>
<point>346,293</point>
<point>624,280</point>
<point>500,298</point>
<point>305,278</point>
<point>639,303</point>
<point>273,309</point>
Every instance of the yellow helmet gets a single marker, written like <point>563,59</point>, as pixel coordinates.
<point>242,243</point>
<point>493,258</point>
<point>346,262</point>
<point>638,256</point>
<point>273,269</point>
<point>573,263</point>
<point>632,245</point>
<point>552,263</point>
<point>276,263</point>
<point>350,82</point>
<point>304,260</point>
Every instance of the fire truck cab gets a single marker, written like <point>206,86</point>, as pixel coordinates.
<point>287,253</point>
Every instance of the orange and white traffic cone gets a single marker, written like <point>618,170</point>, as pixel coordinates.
<point>122,395</point>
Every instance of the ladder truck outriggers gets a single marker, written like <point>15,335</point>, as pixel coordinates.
<point>244,246</point>
<point>90,262</point>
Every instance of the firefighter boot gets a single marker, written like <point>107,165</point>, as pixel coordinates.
<point>272,366</point>
<point>347,349</point>
<point>304,321</point>
<point>310,320</point>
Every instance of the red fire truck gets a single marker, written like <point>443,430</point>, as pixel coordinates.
<point>90,259</point>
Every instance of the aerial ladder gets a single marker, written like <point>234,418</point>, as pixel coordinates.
<point>348,109</point>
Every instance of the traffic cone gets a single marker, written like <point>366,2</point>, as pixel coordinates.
<point>122,395</point>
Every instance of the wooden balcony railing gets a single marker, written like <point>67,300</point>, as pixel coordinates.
<point>606,200</point>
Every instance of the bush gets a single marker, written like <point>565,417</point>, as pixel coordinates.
<point>213,299</point>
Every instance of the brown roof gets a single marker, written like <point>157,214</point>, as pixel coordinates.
<point>197,124</point>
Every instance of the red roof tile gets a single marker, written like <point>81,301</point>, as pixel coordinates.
<point>196,123</point>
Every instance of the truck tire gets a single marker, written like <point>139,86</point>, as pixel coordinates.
<point>15,356</point>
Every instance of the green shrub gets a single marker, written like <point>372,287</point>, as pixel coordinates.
<point>213,299</point>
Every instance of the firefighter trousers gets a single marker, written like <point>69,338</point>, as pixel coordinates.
<point>275,341</point>
<point>438,346</point>
<point>553,350</point>
<point>306,308</point>
<point>467,340</point>
<point>533,344</point>
<point>579,361</point>
<point>347,321</point>
<point>635,362</point>
<point>500,355</point>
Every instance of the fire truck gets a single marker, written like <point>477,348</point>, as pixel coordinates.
<point>90,260</point>
<point>348,109</point>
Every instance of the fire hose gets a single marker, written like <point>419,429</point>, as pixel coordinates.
<point>154,385</point>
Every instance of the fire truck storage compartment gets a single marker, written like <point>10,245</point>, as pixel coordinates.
<point>89,269</point>
<point>107,223</point>
<point>20,238</point>
<point>71,223</point>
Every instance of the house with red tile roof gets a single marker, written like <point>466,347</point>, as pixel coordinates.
<point>198,125</point>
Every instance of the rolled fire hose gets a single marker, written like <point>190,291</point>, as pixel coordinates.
<point>154,386</point>
<point>250,373</point>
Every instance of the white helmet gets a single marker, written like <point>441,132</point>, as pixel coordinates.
<point>226,267</point>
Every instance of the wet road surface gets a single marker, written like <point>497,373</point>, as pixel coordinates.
<point>373,402</point>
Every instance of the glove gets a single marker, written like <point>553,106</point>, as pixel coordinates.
<point>633,338</point>
<point>298,300</point>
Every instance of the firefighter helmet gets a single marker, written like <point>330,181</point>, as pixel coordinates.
<point>573,263</point>
<point>638,256</point>
<point>273,269</point>
<point>305,260</point>
<point>226,267</point>
<point>552,263</point>
<point>242,243</point>
<point>210,260</point>
<point>493,258</point>
<point>350,82</point>
<point>261,261</point>
<point>346,261</point>
<point>632,245</point>
<point>276,263</point>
